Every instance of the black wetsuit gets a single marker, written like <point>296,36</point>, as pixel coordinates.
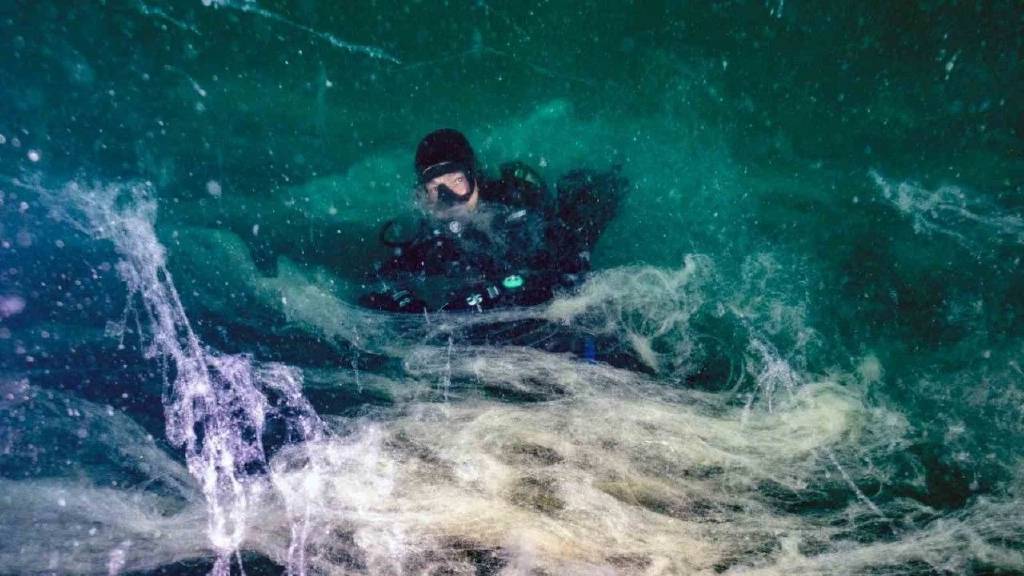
<point>519,247</point>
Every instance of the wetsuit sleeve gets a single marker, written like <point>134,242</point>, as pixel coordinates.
<point>426,255</point>
<point>586,203</point>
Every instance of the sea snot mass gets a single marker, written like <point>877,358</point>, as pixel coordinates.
<point>797,350</point>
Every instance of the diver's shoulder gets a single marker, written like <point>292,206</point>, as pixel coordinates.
<point>518,185</point>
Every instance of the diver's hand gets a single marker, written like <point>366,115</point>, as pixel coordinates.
<point>399,300</point>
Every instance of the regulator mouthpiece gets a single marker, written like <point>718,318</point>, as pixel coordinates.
<point>448,197</point>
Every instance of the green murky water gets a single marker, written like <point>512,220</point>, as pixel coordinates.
<point>807,311</point>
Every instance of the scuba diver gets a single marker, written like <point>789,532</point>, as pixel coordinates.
<point>483,243</point>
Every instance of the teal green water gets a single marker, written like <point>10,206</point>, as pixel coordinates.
<point>816,279</point>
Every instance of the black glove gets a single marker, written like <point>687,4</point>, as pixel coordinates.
<point>399,300</point>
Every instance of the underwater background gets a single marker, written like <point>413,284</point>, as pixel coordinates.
<point>807,314</point>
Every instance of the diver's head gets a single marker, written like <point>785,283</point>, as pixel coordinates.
<point>446,168</point>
